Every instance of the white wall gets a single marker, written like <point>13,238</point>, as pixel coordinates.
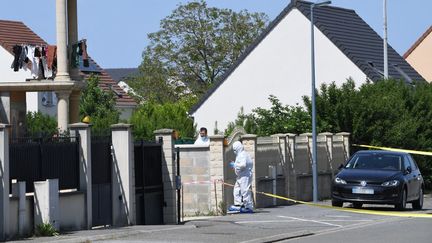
<point>72,211</point>
<point>279,65</point>
<point>7,74</point>
<point>34,99</point>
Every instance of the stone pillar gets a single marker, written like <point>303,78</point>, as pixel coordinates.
<point>62,109</point>
<point>72,34</point>
<point>84,132</point>
<point>345,136</point>
<point>4,182</point>
<point>61,33</point>
<point>216,170</point>
<point>249,142</point>
<point>123,177</point>
<point>74,102</point>
<point>5,108</point>
<point>168,175</point>
<point>47,203</point>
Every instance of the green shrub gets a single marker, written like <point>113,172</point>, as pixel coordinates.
<point>46,229</point>
<point>40,125</point>
<point>151,116</point>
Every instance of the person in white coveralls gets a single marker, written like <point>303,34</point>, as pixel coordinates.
<point>243,166</point>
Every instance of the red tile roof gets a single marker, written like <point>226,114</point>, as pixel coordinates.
<point>417,43</point>
<point>15,32</point>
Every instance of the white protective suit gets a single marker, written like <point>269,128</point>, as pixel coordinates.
<point>243,169</point>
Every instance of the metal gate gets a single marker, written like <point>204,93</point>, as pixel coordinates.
<point>148,183</point>
<point>101,181</point>
<point>38,159</point>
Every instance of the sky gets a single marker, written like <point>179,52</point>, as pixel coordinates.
<point>116,31</point>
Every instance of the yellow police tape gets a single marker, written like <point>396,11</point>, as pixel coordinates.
<point>395,149</point>
<point>351,210</point>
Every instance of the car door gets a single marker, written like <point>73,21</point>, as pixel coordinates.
<point>409,177</point>
<point>416,183</point>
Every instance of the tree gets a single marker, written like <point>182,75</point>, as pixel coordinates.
<point>40,125</point>
<point>99,105</point>
<point>277,119</point>
<point>152,116</point>
<point>386,113</point>
<point>195,46</point>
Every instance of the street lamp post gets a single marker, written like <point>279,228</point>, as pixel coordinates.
<point>385,39</point>
<point>314,135</point>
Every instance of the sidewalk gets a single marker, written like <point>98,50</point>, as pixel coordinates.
<point>105,233</point>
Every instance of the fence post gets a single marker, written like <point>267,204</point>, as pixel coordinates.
<point>216,170</point>
<point>4,181</point>
<point>290,178</point>
<point>168,175</point>
<point>46,203</point>
<point>123,184</point>
<point>283,157</point>
<point>249,142</point>
<point>19,190</point>
<point>326,138</point>
<point>346,143</point>
<point>83,131</point>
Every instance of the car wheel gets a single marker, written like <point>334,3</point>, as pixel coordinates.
<point>418,204</point>
<point>336,203</point>
<point>357,205</point>
<point>402,204</point>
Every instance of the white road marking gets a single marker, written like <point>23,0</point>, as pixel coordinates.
<point>338,216</point>
<point>346,220</point>
<point>314,221</point>
<point>263,221</point>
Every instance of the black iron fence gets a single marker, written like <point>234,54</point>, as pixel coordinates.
<point>38,159</point>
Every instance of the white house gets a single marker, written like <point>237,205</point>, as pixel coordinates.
<point>279,62</point>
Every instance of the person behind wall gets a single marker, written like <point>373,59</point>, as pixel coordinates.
<point>242,166</point>
<point>203,139</point>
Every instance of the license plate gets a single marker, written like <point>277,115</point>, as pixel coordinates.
<point>361,190</point>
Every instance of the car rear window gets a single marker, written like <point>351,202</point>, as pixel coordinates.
<point>375,162</point>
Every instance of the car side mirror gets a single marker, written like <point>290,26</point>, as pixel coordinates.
<point>340,166</point>
<point>408,170</point>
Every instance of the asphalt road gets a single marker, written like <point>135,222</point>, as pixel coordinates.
<point>299,223</point>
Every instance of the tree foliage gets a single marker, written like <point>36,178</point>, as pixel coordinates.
<point>99,105</point>
<point>387,113</point>
<point>195,46</point>
<point>40,125</point>
<point>277,119</point>
<point>152,116</point>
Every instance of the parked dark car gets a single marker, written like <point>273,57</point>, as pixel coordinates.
<point>379,177</point>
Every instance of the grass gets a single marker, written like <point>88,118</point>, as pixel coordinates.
<point>46,229</point>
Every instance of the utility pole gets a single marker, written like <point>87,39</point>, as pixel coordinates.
<point>314,133</point>
<point>385,40</point>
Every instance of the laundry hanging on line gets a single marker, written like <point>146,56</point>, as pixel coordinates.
<point>79,50</point>
<point>39,59</point>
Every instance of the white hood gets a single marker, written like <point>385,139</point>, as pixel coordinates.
<point>238,147</point>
